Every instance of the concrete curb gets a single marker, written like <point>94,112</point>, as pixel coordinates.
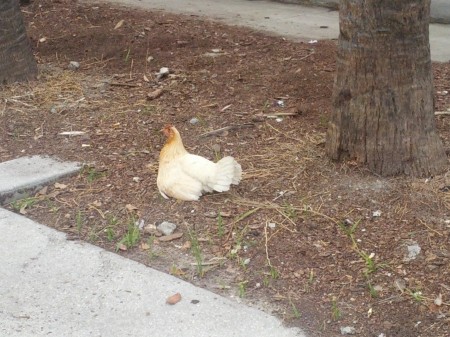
<point>26,175</point>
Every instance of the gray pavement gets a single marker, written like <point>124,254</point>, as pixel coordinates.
<point>25,175</point>
<point>289,20</point>
<point>52,286</point>
<point>440,9</point>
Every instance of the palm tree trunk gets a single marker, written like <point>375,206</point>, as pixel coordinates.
<point>383,94</point>
<point>16,58</point>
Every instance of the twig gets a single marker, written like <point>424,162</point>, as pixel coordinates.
<point>304,57</point>
<point>266,244</point>
<point>131,69</point>
<point>4,109</point>
<point>118,84</point>
<point>98,210</point>
<point>239,218</point>
<point>276,114</point>
<point>227,128</point>
<point>225,107</point>
<point>440,113</point>
<point>283,133</point>
<point>431,229</point>
<point>23,103</point>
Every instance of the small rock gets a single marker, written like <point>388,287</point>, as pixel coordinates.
<point>272,225</point>
<point>438,300</point>
<point>413,250</point>
<point>348,330</point>
<point>151,229</point>
<point>163,72</point>
<point>154,94</point>
<point>376,214</point>
<point>348,222</point>
<point>73,65</point>
<point>140,224</point>
<point>166,227</point>
<point>194,121</point>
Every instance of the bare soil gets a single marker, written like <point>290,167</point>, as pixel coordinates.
<point>322,245</point>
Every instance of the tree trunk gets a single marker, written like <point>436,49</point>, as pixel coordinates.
<point>383,93</point>
<point>16,58</point>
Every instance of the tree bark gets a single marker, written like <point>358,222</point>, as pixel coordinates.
<point>383,92</point>
<point>16,58</point>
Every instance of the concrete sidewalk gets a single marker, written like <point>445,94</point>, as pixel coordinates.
<point>440,9</point>
<point>289,20</point>
<point>52,286</point>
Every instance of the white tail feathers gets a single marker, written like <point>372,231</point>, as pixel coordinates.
<point>228,172</point>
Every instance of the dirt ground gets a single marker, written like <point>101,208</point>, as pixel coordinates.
<point>322,245</point>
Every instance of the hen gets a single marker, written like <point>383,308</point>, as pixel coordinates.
<point>186,176</point>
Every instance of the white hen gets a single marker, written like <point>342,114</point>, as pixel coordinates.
<point>186,176</point>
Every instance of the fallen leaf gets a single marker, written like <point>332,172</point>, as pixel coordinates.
<point>175,271</point>
<point>97,203</point>
<point>119,24</point>
<point>154,94</point>
<point>225,214</point>
<point>60,186</point>
<point>53,194</point>
<point>42,191</point>
<point>22,210</point>
<point>131,208</point>
<point>170,237</point>
<point>121,246</point>
<point>187,245</point>
<point>146,79</point>
<point>145,246</point>
<point>174,299</point>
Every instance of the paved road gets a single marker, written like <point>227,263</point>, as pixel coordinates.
<point>440,9</point>
<point>289,20</point>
